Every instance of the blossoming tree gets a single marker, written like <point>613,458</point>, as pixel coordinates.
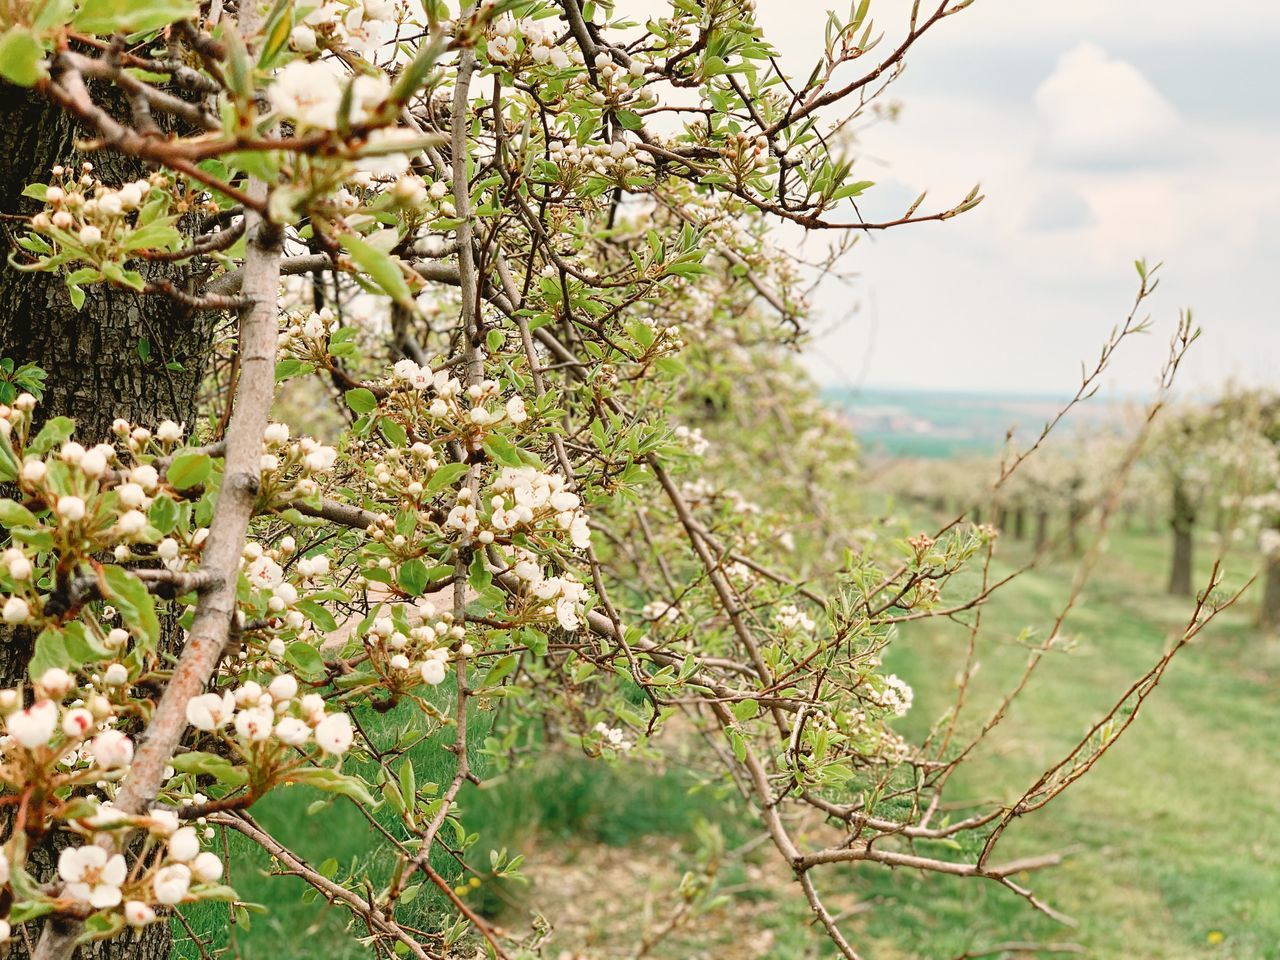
<point>526,253</point>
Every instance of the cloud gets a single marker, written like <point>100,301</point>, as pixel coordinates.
<point>1059,209</point>
<point>1101,112</point>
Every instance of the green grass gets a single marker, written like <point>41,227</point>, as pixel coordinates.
<point>1174,836</point>
<point>1175,831</point>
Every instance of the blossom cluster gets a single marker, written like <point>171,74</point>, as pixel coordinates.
<point>49,730</point>
<point>612,160</point>
<point>359,25</point>
<point>791,617</point>
<point>276,713</point>
<point>891,692</point>
<point>563,597</point>
<point>412,647</point>
<point>93,878</point>
<point>84,206</point>
<point>522,499</point>
<point>484,408</point>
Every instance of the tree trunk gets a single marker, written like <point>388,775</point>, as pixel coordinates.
<point>97,368</point>
<point>1183,523</point>
<point>1042,528</point>
<point>1269,614</point>
<point>1020,523</point>
<point>1075,516</point>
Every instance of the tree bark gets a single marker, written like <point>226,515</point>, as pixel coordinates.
<point>1019,523</point>
<point>98,368</point>
<point>1182,522</point>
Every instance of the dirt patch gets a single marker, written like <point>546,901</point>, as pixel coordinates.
<point>611,903</point>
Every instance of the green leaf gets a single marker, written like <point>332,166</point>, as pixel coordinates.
<point>137,607</point>
<point>50,652</point>
<point>163,514</point>
<point>82,647</point>
<point>305,658</point>
<point>501,669</point>
<point>52,434</point>
<point>209,764</point>
<point>331,781</point>
<point>21,56</point>
<point>361,400</point>
<point>291,368</point>
<point>189,469</point>
<point>13,514</point>
<point>394,433</point>
<point>218,891</point>
<point>412,576</point>
<point>25,910</point>
<point>318,615</point>
<point>502,450</point>
<point>853,189</point>
<point>276,32</point>
<point>446,476</point>
<point>130,16</point>
<point>383,269</point>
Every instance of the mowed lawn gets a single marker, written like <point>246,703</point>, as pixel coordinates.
<point>1174,838</point>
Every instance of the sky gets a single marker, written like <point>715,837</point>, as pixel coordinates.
<point>1101,131</point>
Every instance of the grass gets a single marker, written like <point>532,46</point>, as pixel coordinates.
<point>1174,836</point>
<point>1175,831</point>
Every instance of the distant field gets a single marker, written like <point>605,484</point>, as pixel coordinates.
<point>914,423</point>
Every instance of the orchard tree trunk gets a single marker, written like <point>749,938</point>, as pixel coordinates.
<point>1183,523</point>
<point>1269,614</point>
<point>1042,528</point>
<point>1020,523</point>
<point>1075,516</point>
<point>121,355</point>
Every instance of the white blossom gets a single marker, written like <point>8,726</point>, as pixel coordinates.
<point>308,93</point>
<point>112,749</point>
<point>33,726</point>
<point>184,844</point>
<point>292,732</point>
<point>209,711</point>
<point>91,876</point>
<point>171,883</point>
<point>16,610</point>
<point>207,867</point>
<point>334,733</point>
<point>70,508</point>
<point>138,914</point>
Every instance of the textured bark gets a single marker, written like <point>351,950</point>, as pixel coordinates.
<point>1269,614</point>
<point>1182,522</point>
<point>96,370</point>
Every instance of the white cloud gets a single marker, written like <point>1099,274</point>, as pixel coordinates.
<point>1100,111</point>
<point>1058,209</point>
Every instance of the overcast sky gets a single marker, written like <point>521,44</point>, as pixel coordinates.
<point>1101,131</point>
